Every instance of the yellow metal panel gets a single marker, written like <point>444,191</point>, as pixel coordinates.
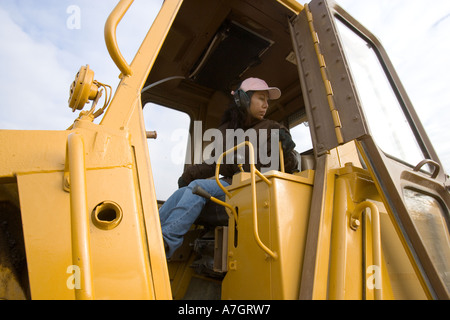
<point>320,288</point>
<point>31,151</point>
<point>283,212</point>
<point>46,228</point>
<point>120,255</point>
<point>27,151</point>
<point>120,258</point>
<point>346,249</point>
<point>345,268</point>
<point>290,236</point>
<point>248,268</point>
<point>148,205</point>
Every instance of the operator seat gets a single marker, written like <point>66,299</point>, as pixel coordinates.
<point>212,215</point>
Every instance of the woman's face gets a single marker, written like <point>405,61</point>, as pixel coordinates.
<point>259,104</point>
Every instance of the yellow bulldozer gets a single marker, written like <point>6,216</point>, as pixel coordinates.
<point>366,215</point>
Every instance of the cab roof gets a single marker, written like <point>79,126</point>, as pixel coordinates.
<point>215,44</point>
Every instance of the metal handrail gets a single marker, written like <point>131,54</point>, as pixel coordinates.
<point>376,236</point>
<point>253,173</point>
<point>252,165</point>
<point>110,36</point>
<point>81,254</point>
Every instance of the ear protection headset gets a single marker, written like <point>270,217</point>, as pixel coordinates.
<point>241,98</point>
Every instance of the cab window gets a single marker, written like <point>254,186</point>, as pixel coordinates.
<point>301,136</point>
<point>168,150</point>
<point>386,119</point>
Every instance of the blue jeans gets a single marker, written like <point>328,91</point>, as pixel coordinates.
<point>181,210</point>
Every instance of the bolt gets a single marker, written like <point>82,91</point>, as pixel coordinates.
<point>354,224</point>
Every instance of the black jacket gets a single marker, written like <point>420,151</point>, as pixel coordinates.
<point>227,170</point>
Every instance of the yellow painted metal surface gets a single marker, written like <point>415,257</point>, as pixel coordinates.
<point>346,268</point>
<point>292,4</point>
<point>119,256</point>
<point>79,222</point>
<point>91,225</point>
<point>110,36</point>
<point>282,227</point>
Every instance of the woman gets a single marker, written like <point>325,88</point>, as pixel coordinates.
<point>251,100</point>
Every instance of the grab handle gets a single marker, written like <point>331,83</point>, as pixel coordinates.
<point>253,173</point>
<point>75,183</point>
<point>376,234</point>
<point>110,36</point>
<point>252,166</point>
<point>436,166</point>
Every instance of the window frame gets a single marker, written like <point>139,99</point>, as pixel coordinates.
<point>323,63</point>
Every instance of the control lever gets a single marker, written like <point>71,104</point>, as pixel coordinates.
<point>201,192</point>
<point>205,194</point>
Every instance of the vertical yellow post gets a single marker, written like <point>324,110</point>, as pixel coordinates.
<point>339,243</point>
<point>376,234</point>
<point>81,255</point>
<point>280,147</point>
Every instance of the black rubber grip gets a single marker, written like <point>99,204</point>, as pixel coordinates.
<point>201,192</point>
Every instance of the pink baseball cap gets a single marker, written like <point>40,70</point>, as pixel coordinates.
<point>255,84</point>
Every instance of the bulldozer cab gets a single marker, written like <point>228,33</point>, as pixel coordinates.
<point>366,215</point>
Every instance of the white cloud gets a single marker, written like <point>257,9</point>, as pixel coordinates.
<point>43,55</point>
<point>32,81</point>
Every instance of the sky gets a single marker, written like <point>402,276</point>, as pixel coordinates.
<point>45,42</point>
